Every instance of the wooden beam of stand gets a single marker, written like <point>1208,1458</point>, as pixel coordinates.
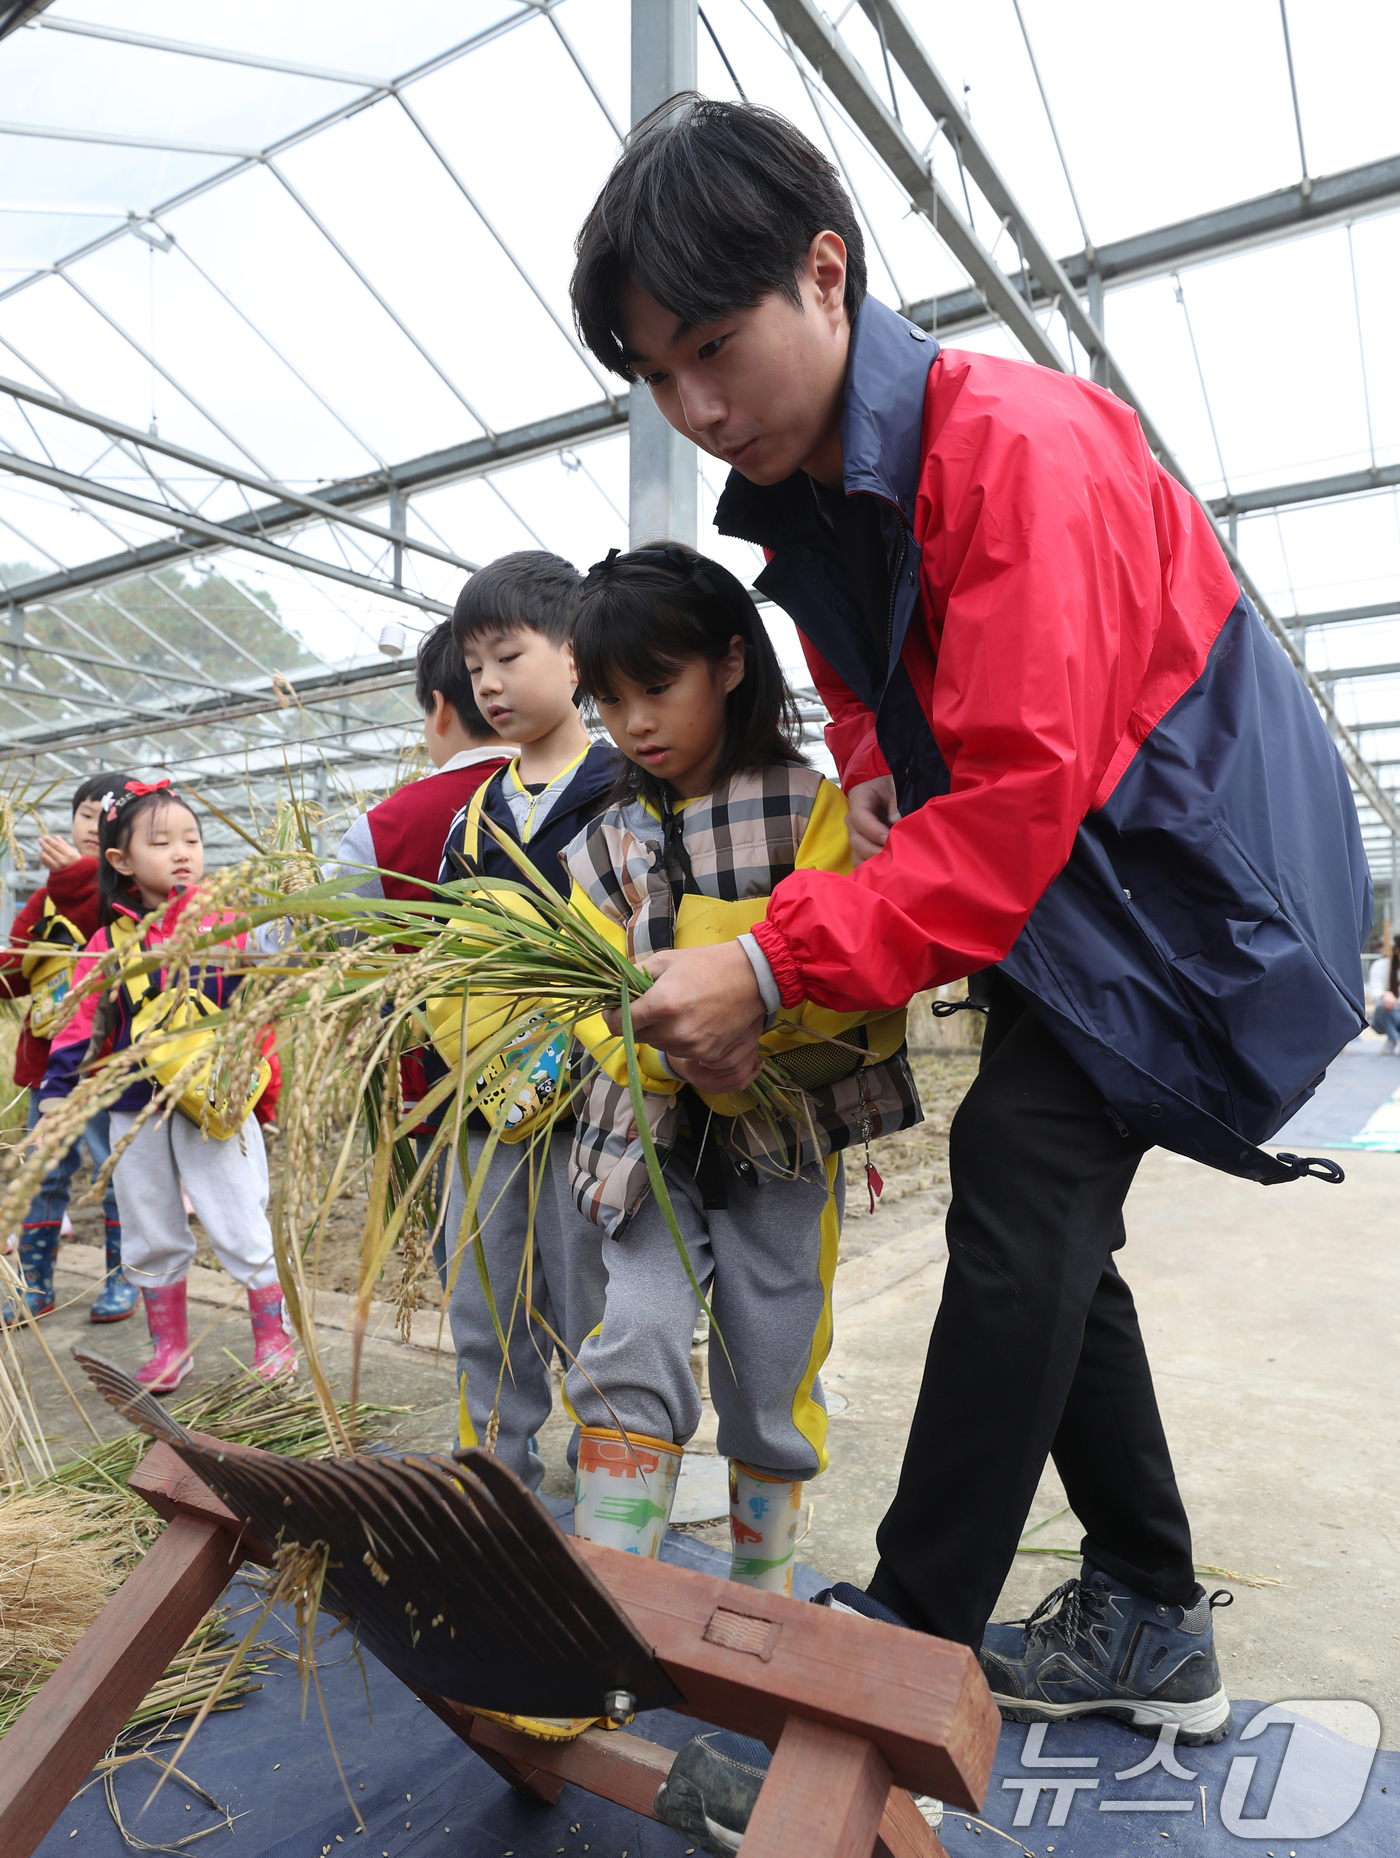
<point>74,1719</point>
<point>904,1832</point>
<point>753,1661</point>
<point>824,1796</point>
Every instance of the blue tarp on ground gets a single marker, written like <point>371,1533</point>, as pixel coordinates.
<point>421,1791</point>
<point>1349,1109</point>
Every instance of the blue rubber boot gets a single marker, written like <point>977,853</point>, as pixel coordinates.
<point>38,1248</point>
<point>1094,1647</point>
<point>117,1299</point>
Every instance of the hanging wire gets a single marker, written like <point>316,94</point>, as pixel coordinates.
<point>724,56</point>
<point>1049,117</point>
<point>816,103</point>
<point>1293,86</point>
<point>889,74</point>
<point>1361,348</point>
<point>1288,574</point>
<point>1200,376</point>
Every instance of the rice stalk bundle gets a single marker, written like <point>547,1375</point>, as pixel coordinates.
<point>67,1545</point>
<point>347,987</point>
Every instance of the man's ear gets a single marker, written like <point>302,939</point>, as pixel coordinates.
<point>826,272</point>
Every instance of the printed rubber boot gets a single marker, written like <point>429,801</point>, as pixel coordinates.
<point>38,1248</point>
<point>117,1299</point>
<point>624,1488</point>
<point>274,1351</point>
<point>1094,1647</point>
<point>763,1516</point>
<point>168,1320</point>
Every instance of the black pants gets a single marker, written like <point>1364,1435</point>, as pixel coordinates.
<point>1036,1350</point>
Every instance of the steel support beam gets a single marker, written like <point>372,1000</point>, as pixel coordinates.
<point>235,474</point>
<point>664,468</point>
<point>303,689</point>
<point>1349,673</point>
<point>845,77</point>
<point>202,532</point>
<point>430,471</point>
<point>1352,194</point>
<point>1313,490</point>
<point>1341,616</point>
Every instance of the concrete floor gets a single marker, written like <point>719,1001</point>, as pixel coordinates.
<point>1270,1315</point>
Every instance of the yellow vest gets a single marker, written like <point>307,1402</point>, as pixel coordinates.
<point>803,1037</point>
<point>204,1099</point>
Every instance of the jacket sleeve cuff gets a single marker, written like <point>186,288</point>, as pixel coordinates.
<point>763,974</point>
<point>865,763</point>
<point>778,951</point>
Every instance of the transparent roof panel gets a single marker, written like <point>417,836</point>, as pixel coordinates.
<point>314,244</point>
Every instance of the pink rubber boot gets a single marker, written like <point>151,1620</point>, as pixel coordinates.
<point>169,1323</point>
<point>275,1352</point>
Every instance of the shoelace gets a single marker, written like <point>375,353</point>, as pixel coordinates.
<point>1078,1599</point>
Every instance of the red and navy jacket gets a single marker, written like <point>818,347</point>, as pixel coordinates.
<point>1113,782</point>
<point>73,888</point>
<point>70,1045</point>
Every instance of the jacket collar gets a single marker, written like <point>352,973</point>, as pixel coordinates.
<point>882,418</point>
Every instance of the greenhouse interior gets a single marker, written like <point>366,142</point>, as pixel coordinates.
<point>290,352</point>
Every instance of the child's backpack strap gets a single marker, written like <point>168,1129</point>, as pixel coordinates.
<point>137,987</point>
<point>471,832</point>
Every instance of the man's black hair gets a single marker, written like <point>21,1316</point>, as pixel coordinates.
<point>96,785</point>
<point>645,613</point>
<point>531,588</point>
<point>712,206</point>
<point>442,667</point>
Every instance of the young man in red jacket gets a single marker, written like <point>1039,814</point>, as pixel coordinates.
<point>72,891</point>
<point>1077,761</point>
<point>404,835</point>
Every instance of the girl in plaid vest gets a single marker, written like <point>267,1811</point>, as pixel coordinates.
<point>714,806</point>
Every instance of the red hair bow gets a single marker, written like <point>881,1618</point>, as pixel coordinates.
<point>147,787</point>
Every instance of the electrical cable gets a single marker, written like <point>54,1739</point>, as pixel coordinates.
<point>1049,117</point>
<point>1200,376</point>
<point>724,56</point>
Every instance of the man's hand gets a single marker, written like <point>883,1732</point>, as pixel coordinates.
<point>54,852</point>
<point>705,1012</point>
<point>873,810</point>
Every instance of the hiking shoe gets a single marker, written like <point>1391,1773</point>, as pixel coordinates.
<point>1093,1647</point>
<point>712,1788</point>
<point>843,1598</point>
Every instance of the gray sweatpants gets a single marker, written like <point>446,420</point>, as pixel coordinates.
<point>766,1262</point>
<point>567,1288</point>
<point>227,1185</point>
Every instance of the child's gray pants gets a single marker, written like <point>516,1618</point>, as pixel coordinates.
<point>766,1262</point>
<point>567,1288</point>
<point>227,1185</point>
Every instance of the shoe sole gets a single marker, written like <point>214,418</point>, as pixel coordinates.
<point>1197,1724</point>
<point>117,1316</point>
